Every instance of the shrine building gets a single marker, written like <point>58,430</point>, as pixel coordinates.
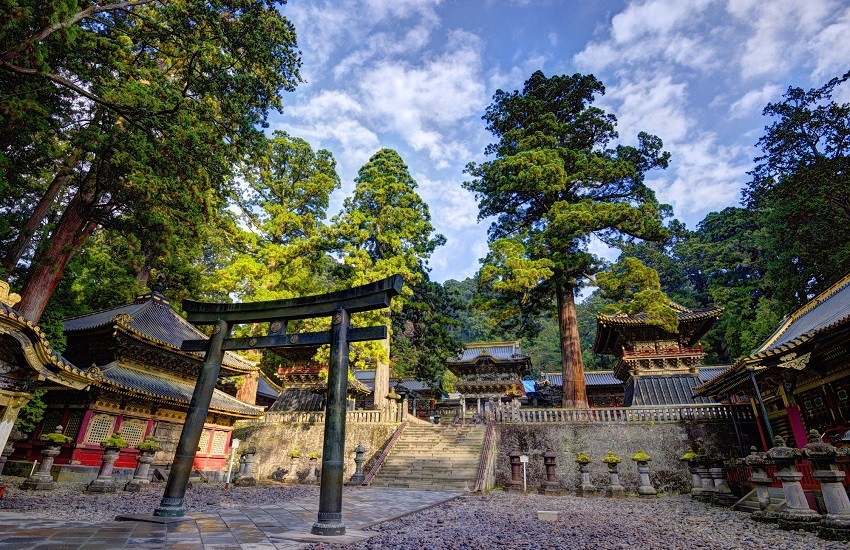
<point>657,366</point>
<point>138,382</point>
<point>799,378</point>
<point>490,374</point>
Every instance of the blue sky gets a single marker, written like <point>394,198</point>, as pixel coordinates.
<point>417,75</point>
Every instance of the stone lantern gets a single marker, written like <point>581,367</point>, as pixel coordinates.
<point>551,486</point>
<point>245,477</point>
<point>757,463</point>
<point>515,484</point>
<point>42,480</point>
<point>797,514</point>
<point>645,489</point>
<point>614,488</point>
<point>147,449</point>
<point>586,488</point>
<point>835,525</point>
<point>690,458</point>
<point>358,477</point>
<point>104,483</point>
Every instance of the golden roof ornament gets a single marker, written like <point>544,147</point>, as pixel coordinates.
<point>6,297</point>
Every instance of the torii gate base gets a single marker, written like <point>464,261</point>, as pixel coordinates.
<point>339,305</point>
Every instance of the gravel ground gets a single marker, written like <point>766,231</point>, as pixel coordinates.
<point>501,520</point>
<point>69,501</point>
<point>497,520</point>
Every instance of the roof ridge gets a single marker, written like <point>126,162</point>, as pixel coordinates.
<point>820,298</point>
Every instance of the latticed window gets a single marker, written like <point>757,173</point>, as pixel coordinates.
<point>100,428</point>
<point>219,443</point>
<point>52,418</point>
<point>204,443</point>
<point>133,431</point>
<point>75,418</point>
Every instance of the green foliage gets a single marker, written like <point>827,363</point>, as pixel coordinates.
<point>294,454</point>
<point>54,438</point>
<point>149,444</point>
<point>137,115</point>
<point>635,288</point>
<point>800,190</point>
<point>114,441</point>
<point>31,414</point>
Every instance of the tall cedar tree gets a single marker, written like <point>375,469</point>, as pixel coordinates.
<point>385,229</point>
<point>148,103</point>
<point>554,183</point>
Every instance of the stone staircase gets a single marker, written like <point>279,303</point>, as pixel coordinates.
<point>750,502</point>
<point>440,457</point>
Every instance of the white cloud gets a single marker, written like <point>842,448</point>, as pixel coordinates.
<point>651,103</point>
<point>423,104</point>
<point>754,101</point>
<point>832,48</point>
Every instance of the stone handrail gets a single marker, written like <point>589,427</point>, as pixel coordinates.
<point>383,456</point>
<point>487,456</point>
<point>318,417</point>
<point>659,413</point>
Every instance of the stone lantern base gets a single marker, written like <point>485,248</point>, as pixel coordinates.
<point>245,481</point>
<point>102,486</point>
<point>550,488</point>
<point>33,483</point>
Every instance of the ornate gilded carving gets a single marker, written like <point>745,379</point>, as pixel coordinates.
<point>275,326</point>
<point>6,297</point>
<point>791,361</point>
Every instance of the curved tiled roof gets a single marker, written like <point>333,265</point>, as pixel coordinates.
<point>663,389</point>
<point>152,317</point>
<point>499,351</point>
<point>591,378</point>
<point>131,380</point>
<point>826,310</point>
<point>685,314</point>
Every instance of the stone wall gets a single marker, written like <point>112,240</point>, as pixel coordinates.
<point>273,443</point>
<point>664,442</point>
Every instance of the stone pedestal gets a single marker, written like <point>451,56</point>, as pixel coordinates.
<point>551,486</point>
<point>292,473</point>
<point>645,489</point>
<point>4,456</point>
<point>42,480</point>
<point>312,478</point>
<point>245,477</point>
<point>705,491</point>
<point>104,482</point>
<point>515,484</point>
<point>722,493</point>
<point>358,477</point>
<point>140,476</point>
<point>797,514</point>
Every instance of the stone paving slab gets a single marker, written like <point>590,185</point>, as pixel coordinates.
<point>271,527</point>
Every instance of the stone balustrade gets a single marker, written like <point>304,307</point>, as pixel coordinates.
<point>665,413</point>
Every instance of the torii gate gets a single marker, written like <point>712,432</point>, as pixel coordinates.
<point>339,306</point>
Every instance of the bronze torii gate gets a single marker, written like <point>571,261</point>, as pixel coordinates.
<point>338,305</point>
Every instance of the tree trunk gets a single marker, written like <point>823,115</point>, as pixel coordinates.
<point>71,232</point>
<point>573,369</point>
<point>24,238</point>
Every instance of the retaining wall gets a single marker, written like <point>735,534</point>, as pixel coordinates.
<point>274,441</point>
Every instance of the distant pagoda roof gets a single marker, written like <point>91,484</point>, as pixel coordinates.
<point>819,328</point>
<point>616,331</point>
<point>151,318</point>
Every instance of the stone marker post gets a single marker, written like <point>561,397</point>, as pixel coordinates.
<point>104,482</point>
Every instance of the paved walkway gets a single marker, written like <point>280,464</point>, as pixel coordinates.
<point>281,526</point>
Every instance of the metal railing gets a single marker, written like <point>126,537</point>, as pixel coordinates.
<point>659,413</point>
